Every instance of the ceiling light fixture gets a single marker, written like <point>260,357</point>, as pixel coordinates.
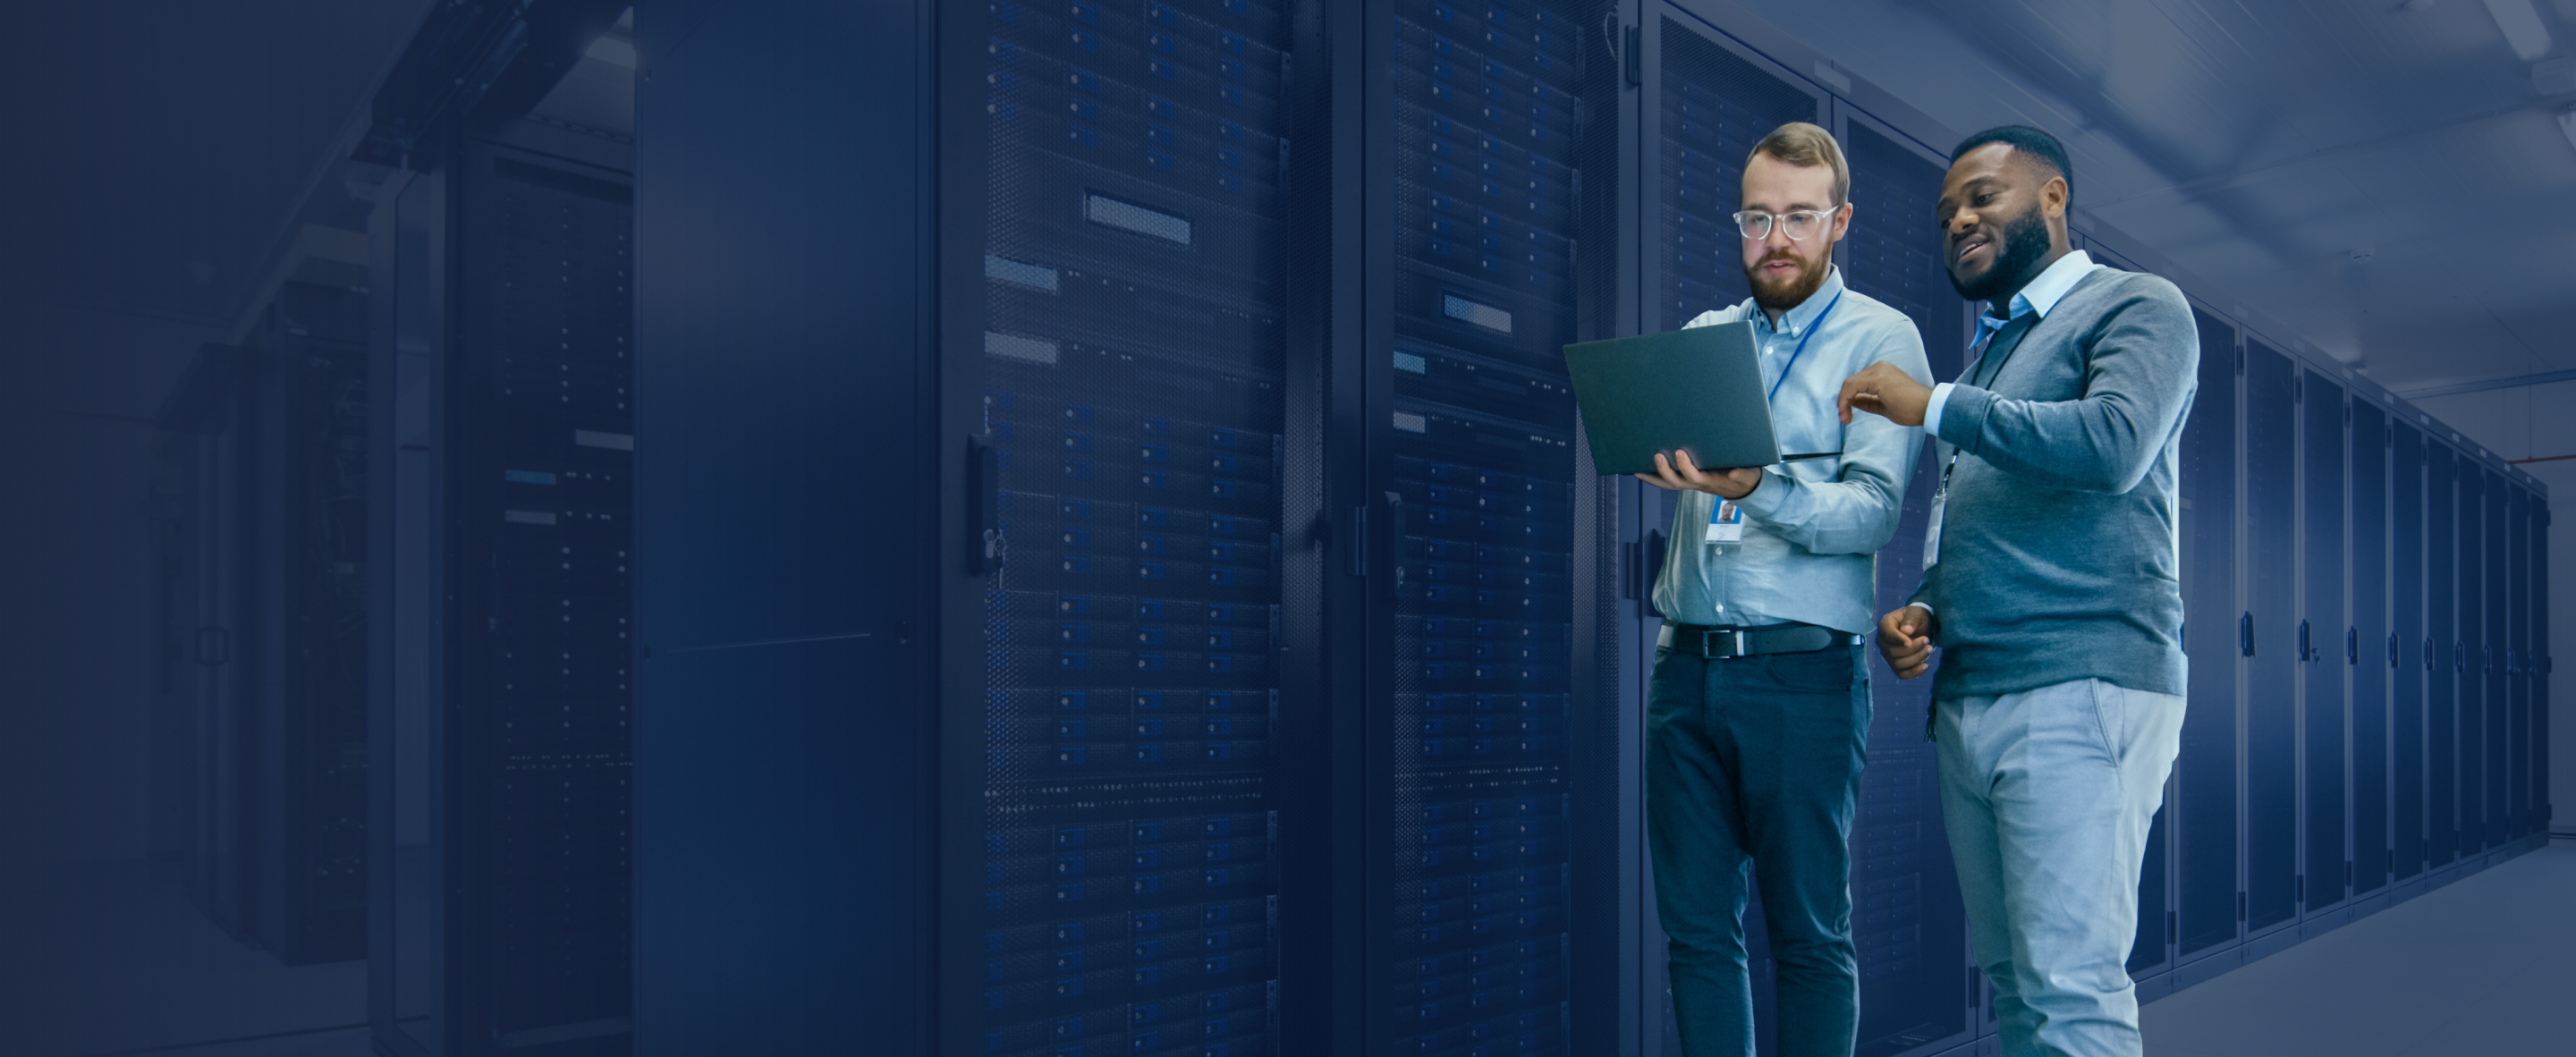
<point>2522,27</point>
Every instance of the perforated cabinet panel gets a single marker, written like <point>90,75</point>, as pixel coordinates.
<point>1135,260</point>
<point>543,453</point>
<point>1716,106</point>
<point>1482,429</point>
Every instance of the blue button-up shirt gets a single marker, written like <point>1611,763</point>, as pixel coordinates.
<point>1811,527</point>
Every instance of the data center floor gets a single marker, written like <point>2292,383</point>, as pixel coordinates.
<point>110,959</point>
<point>2480,966</point>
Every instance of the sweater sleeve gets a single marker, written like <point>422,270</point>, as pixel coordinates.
<point>2141,363</point>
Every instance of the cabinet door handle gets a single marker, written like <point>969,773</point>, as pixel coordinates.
<point>1395,529</point>
<point>2245,634</point>
<point>984,523</point>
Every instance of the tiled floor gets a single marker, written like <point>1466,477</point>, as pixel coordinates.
<point>2484,966</point>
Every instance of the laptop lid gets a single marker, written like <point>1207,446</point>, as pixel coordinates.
<point>1697,390</point>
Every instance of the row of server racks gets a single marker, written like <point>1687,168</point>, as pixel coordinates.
<point>1060,528</point>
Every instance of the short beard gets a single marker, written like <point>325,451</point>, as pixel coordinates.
<point>1789,293</point>
<point>2025,242</point>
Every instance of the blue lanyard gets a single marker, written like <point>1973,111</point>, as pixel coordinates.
<point>1801,350</point>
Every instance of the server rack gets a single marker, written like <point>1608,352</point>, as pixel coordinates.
<point>2272,640</point>
<point>2410,678</point>
<point>1134,404</point>
<point>262,601</point>
<point>2494,660</point>
<point>2323,648</point>
<point>2474,653</point>
<point>309,377</point>
<point>2443,655</point>
<point>2370,649</point>
<point>505,564</point>
<point>2207,912</point>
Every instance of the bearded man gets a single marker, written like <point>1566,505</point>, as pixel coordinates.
<point>2052,585</point>
<point>1759,711</point>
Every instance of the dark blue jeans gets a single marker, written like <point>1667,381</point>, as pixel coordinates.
<point>1757,760</point>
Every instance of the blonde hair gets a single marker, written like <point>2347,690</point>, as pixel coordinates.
<point>1807,146</point>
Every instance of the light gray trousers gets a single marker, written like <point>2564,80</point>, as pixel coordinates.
<point>2047,795</point>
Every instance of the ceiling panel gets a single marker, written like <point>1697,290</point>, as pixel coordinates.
<point>2262,145</point>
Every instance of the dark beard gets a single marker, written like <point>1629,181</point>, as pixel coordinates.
<point>2025,242</point>
<point>1792,293</point>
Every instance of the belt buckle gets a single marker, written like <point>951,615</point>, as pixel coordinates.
<point>1732,638</point>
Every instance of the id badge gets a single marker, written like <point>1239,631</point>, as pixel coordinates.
<point>1726,524</point>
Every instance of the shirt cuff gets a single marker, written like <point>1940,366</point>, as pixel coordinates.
<point>1767,495</point>
<point>1932,411</point>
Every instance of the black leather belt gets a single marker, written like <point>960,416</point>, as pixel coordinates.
<point>1718,643</point>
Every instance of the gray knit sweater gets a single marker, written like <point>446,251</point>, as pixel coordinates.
<point>2058,552</point>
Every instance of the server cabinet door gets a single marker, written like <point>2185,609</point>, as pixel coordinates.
<point>2469,651</point>
<point>2495,656</point>
<point>1907,921</point>
<point>1708,102</point>
<point>2442,654</point>
<point>2272,623</point>
<point>2322,645</point>
<point>1481,790</point>
<point>2205,773</point>
<point>2540,661</point>
<point>2414,652</point>
<point>2518,666</point>
<point>2372,649</point>
<point>1136,233</point>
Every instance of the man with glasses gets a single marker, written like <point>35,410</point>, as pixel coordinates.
<point>2052,584</point>
<point>1759,710</point>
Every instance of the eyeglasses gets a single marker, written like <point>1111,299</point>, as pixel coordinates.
<point>1799,225</point>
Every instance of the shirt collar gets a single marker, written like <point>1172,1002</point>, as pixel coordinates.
<point>2050,286</point>
<point>1794,322</point>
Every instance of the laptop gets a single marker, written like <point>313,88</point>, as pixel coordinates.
<point>1697,390</point>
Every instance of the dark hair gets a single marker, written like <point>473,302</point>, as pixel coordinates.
<point>2042,147</point>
